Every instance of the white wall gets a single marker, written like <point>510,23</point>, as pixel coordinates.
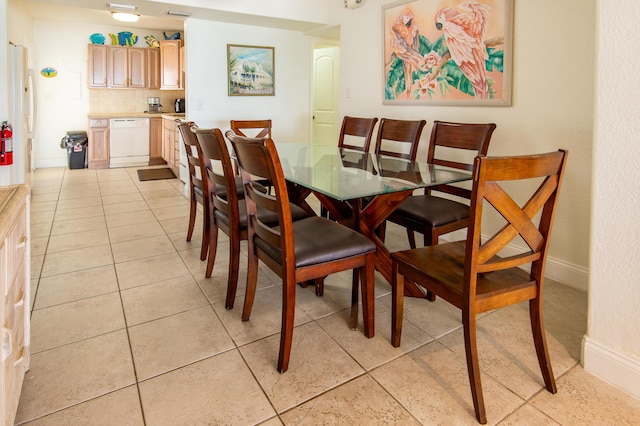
<point>612,346</point>
<point>63,101</point>
<point>553,75</point>
<point>208,103</point>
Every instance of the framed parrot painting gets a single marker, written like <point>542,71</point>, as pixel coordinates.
<point>448,52</point>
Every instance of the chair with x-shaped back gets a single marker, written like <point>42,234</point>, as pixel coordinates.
<point>472,275</point>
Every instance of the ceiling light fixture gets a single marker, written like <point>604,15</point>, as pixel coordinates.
<point>178,13</point>
<point>122,6</point>
<point>125,17</point>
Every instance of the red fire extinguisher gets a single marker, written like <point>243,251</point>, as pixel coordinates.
<point>6,150</point>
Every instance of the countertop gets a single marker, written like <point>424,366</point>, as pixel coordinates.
<point>135,115</point>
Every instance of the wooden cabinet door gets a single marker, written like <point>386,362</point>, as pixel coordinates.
<point>137,69</point>
<point>167,141</point>
<point>153,68</point>
<point>155,141</point>
<point>118,67</point>
<point>170,64</point>
<point>98,149</point>
<point>97,65</point>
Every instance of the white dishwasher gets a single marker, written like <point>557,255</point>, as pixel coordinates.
<point>128,142</point>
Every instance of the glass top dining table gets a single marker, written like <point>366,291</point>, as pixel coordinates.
<point>345,174</point>
<point>359,189</point>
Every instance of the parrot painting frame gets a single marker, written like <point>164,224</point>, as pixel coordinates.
<point>251,70</point>
<point>431,48</point>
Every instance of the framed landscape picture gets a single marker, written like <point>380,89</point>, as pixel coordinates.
<point>448,52</point>
<point>251,70</point>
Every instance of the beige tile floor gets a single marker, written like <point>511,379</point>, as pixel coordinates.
<point>126,330</point>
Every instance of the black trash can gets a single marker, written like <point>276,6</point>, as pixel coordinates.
<point>75,141</point>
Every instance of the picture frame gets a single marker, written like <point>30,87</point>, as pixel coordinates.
<point>250,70</point>
<point>431,52</point>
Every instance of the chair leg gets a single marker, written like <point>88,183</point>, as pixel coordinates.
<point>473,366</point>
<point>540,342</point>
<point>206,223</point>
<point>355,284</point>
<point>213,249</point>
<point>192,217</point>
<point>397,305</point>
<point>368,296</point>
<point>252,280</point>
<point>429,238</point>
<point>234,269</point>
<point>286,330</point>
<point>412,238</point>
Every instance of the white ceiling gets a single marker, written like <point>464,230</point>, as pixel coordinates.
<point>153,15</point>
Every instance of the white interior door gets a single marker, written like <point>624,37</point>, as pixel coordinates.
<point>326,85</point>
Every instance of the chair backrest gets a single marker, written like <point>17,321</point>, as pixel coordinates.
<point>195,166</point>
<point>359,128</point>
<point>252,128</point>
<point>488,176</point>
<point>259,158</point>
<point>399,138</point>
<point>472,137</point>
<point>219,170</point>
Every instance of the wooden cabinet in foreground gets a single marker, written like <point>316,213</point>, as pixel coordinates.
<point>98,149</point>
<point>15,302</point>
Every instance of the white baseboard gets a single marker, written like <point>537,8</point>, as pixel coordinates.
<point>612,367</point>
<point>43,164</point>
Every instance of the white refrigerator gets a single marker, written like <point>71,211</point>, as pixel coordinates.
<point>22,116</point>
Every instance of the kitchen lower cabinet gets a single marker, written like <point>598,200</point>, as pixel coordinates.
<point>14,296</point>
<point>155,141</point>
<point>98,149</point>
<point>171,144</point>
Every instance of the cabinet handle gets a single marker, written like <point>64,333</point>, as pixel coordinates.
<point>22,243</point>
<point>7,338</point>
<point>20,358</point>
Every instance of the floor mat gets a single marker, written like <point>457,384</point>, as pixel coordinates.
<point>155,174</point>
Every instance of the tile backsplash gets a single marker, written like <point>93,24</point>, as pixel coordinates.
<point>130,100</point>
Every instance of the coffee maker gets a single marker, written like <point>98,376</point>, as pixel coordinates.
<point>154,104</point>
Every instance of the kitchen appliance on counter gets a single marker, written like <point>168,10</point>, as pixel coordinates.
<point>154,104</point>
<point>180,105</point>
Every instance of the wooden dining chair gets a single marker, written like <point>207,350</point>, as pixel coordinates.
<point>399,138</point>
<point>429,214</point>
<point>356,134</point>
<point>471,276</point>
<point>252,128</point>
<point>356,129</point>
<point>198,187</point>
<point>299,251</point>
<point>228,212</point>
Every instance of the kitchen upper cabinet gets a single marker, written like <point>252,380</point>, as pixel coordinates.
<point>153,68</point>
<point>120,67</point>
<point>170,65</point>
<point>98,65</point>
<point>127,66</point>
<point>98,149</point>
